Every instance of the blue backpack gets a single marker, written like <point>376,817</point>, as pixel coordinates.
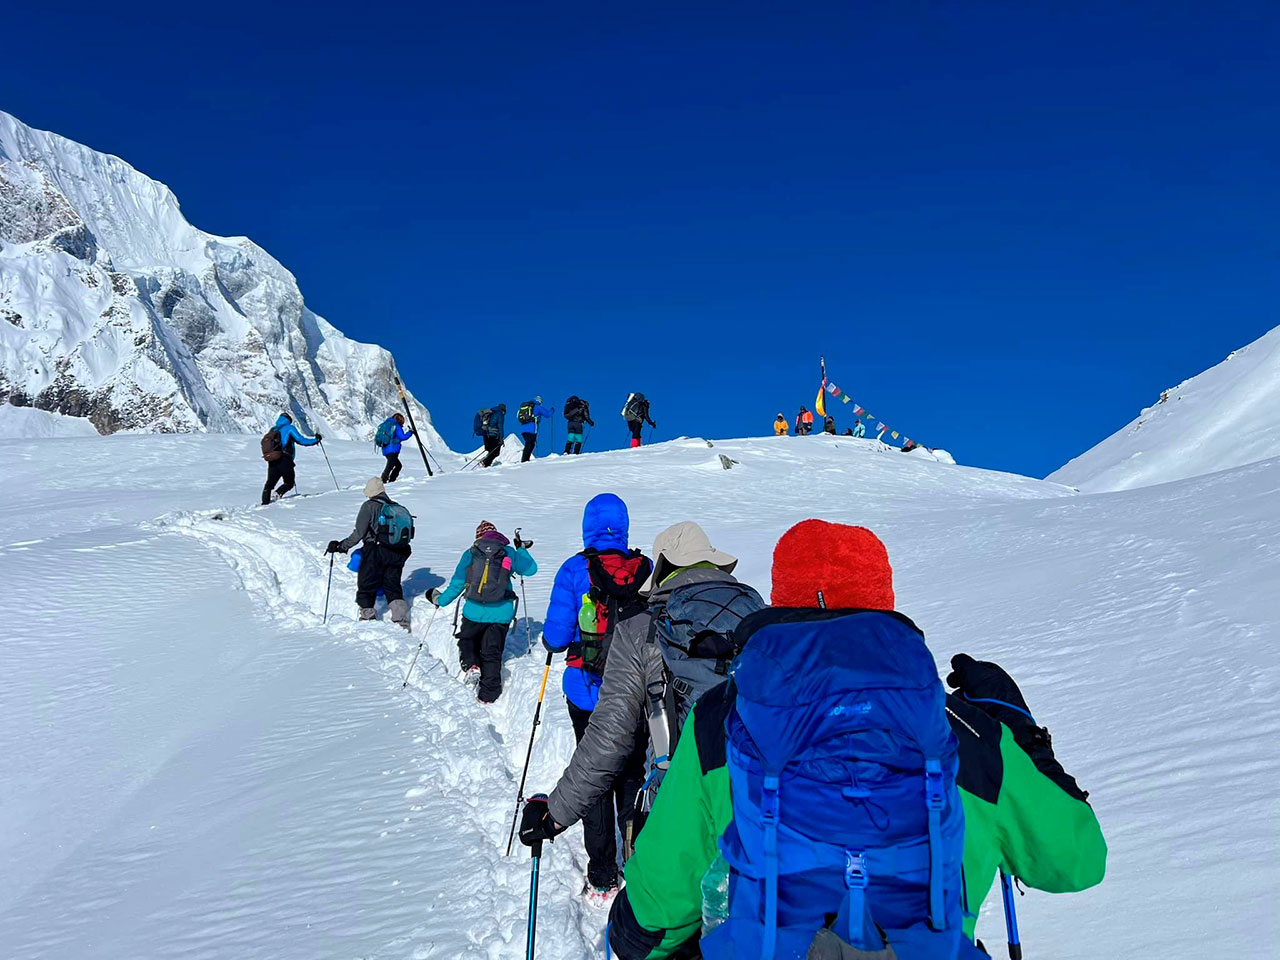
<point>846,814</point>
<point>386,433</point>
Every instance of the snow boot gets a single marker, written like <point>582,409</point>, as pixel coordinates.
<point>471,675</point>
<point>400,613</point>
<point>368,613</point>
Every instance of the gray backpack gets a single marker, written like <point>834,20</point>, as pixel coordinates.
<point>694,631</point>
<point>489,575</point>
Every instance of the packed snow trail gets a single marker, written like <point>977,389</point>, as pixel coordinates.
<point>306,806</point>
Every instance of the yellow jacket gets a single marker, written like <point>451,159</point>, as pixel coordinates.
<point>780,426</point>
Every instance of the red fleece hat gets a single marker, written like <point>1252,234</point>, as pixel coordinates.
<point>848,565</point>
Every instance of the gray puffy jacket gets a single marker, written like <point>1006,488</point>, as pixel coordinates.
<point>633,664</point>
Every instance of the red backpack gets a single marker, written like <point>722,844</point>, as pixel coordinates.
<point>616,578</point>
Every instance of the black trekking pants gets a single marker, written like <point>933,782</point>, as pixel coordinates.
<point>492,447</point>
<point>392,469</point>
<point>481,644</point>
<point>278,470</point>
<point>637,428</point>
<point>380,569</point>
<point>530,441</point>
<point>598,826</point>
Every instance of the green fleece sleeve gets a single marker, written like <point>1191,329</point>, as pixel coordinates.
<point>1051,840</point>
<point>677,845</point>
<point>1036,830</point>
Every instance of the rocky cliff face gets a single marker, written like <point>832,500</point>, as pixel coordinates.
<point>115,309</point>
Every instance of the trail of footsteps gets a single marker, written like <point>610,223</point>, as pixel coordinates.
<point>472,754</point>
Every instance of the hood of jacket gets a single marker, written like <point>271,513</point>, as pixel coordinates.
<point>282,420</point>
<point>605,523</point>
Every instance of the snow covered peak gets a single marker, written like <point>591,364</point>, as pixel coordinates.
<point>1226,417</point>
<point>114,308</point>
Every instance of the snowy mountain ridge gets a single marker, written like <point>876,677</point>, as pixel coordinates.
<point>118,310</point>
<point>1228,416</point>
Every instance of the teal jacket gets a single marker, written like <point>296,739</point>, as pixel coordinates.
<point>522,565</point>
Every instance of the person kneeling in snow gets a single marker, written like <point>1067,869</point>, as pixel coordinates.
<point>385,528</point>
<point>1022,811</point>
<point>484,572</point>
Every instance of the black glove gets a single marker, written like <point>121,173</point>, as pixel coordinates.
<point>433,596</point>
<point>333,547</point>
<point>319,436</point>
<point>590,422</point>
<point>988,687</point>
<point>536,824</point>
<point>549,648</point>
<point>521,544</point>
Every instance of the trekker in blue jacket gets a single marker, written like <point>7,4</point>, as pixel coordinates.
<point>529,414</point>
<point>278,450</point>
<point>392,450</point>
<point>484,572</point>
<point>605,525</point>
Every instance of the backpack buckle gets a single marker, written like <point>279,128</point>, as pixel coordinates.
<point>934,795</point>
<point>855,870</point>
<point>769,801</point>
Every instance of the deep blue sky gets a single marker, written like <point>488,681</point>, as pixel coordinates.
<point>1007,225</point>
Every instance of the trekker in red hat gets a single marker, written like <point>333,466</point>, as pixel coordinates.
<point>1021,810</point>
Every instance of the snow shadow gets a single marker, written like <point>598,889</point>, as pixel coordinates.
<point>522,638</point>
<point>420,581</point>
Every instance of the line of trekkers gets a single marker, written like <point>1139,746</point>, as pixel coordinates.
<point>490,424</point>
<point>788,780</point>
<point>279,443</point>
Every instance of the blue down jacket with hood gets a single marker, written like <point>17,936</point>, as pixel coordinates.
<point>604,526</point>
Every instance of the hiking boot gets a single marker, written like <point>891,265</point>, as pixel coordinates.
<point>368,613</point>
<point>471,675</point>
<point>400,613</point>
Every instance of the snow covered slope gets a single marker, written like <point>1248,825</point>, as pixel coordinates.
<point>195,767</point>
<point>1225,417</point>
<point>114,308</point>
<point>29,422</point>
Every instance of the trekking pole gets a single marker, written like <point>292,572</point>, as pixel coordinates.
<point>533,899</point>
<point>412,426</point>
<point>414,661</point>
<point>330,466</point>
<point>537,719</point>
<point>472,460</point>
<point>325,618</point>
<point>1010,916</point>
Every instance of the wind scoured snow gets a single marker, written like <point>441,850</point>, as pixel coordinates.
<point>30,423</point>
<point>196,767</point>
<point>115,309</point>
<point>1226,417</point>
